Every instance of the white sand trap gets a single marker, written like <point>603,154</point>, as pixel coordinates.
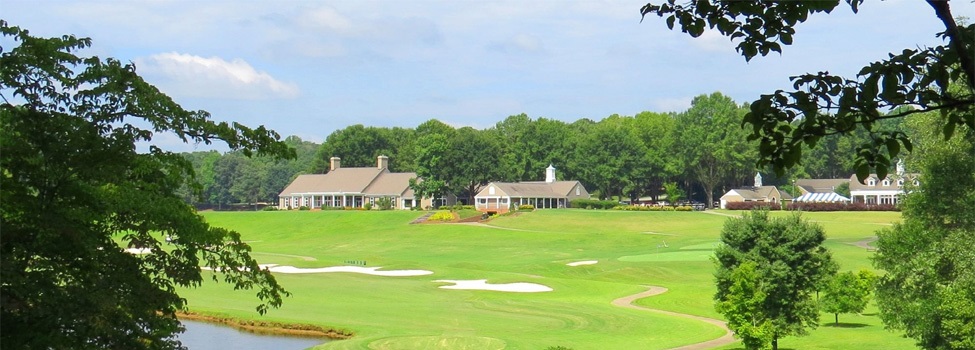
<point>580,263</point>
<point>138,251</point>
<point>519,287</point>
<point>354,269</point>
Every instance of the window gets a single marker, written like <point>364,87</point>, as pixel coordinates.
<point>578,191</point>
<point>900,182</point>
<point>917,183</point>
<point>871,182</point>
<point>886,182</point>
<point>491,190</point>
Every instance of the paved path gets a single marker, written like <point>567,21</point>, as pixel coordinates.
<point>727,338</point>
<point>865,243</point>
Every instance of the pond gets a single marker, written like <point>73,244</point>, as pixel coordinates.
<point>209,336</point>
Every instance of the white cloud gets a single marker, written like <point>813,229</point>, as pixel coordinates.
<point>673,104</point>
<point>214,77</point>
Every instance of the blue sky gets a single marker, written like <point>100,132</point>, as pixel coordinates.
<point>308,68</point>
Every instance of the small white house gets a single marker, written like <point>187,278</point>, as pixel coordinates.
<point>499,197</point>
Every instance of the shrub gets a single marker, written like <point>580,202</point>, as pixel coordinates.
<point>367,206</point>
<point>752,205</point>
<point>303,207</point>
<point>442,215</point>
<point>593,204</point>
<point>684,208</point>
<point>526,207</point>
<point>384,203</point>
<point>270,208</point>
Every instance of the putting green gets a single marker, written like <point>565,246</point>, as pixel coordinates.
<point>438,342</point>
<point>691,255</point>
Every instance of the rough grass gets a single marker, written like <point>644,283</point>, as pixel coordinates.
<point>634,249</point>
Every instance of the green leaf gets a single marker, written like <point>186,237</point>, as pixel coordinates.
<point>893,147</point>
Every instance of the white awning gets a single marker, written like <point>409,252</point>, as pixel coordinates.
<point>822,197</point>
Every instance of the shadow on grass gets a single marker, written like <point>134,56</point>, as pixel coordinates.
<point>780,348</point>
<point>846,325</point>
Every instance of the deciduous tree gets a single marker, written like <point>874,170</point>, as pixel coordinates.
<point>847,292</point>
<point>777,298</point>
<point>940,78</point>
<point>74,189</point>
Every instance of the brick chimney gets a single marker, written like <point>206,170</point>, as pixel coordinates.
<point>336,163</point>
<point>382,162</point>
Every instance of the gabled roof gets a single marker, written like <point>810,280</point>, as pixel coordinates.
<point>541,189</point>
<point>820,185</point>
<point>855,184</point>
<point>392,184</point>
<point>759,193</point>
<point>342,180</point>
<point>829,197</point>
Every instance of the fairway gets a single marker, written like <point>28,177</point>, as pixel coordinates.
<point>574,310</point>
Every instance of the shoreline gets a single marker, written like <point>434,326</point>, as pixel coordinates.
<point>268,327</point>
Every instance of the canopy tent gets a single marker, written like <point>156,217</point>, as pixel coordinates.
<point>821,198</point>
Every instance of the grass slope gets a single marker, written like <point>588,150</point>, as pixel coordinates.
<point>634,249</point>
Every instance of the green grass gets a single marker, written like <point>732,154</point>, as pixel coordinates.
<point>634,249</point>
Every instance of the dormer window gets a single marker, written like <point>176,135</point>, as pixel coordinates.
<point>886,182</point>
<point>871,182</point>
<point>900,183</point>
<point>917,183</point>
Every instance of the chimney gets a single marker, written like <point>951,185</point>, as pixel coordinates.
<point>382,162</point>
<point>550,174</point>
<point>336,163</point>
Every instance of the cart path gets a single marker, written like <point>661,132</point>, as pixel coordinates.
<point>727,338</point>
<point>865,243</point>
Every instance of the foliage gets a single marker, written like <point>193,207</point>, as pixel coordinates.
<point>583,203</point>
<point>74,188</point>
<point>431,166</point>
<point>847,292</point>
<point>843,189</point>
<point>526,207</point>
<point>788,262</point>
<point>940,78</point>
<point>652,208</point>
<point>367,206</point>
<point>442,215</point>
<point>673,192</point>
<point>929,258</point>
<point>270,208</point>
<point>752,205</point>
<point>384,203</point>
<point>711,145</point>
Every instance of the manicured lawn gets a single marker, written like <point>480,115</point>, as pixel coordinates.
<point>634,249</point>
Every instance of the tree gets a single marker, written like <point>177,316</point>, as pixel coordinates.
<point>709,143</point>
<point>74,189</point>
<point>928,289</point>
<point>847,292</point>
<point>789,262</point>
<point>674,193</point>
<point>431,166</point>
<point>940,78</point>
<point>472,159</point>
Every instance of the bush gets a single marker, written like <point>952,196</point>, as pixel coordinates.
<point>593,204</point>
<point>442,215</point>
<point>270,208</point>
<point>303,207</point>
<point>367,206</point>
<point>384,203</point>
<point>752,205</point>
<point>526,207</point>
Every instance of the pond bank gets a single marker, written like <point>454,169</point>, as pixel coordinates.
<point>266,327</point>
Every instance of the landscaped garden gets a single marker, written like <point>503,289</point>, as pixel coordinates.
<point>619,253</point>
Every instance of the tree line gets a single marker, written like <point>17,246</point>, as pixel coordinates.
<point>703,151</point>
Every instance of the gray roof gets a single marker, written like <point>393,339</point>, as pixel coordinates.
<point>541,189</point>
<point>370,181</point>
<point>760,193</point>
<point>855,184</point>
<point>820,185</point>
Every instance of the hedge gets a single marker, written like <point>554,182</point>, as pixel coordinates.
<point>593,204</point>
<point>752,205</point>
<point>652,208</point>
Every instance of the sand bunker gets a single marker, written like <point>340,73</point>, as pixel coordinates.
<point>519,287</point>
<point>138,251</point>
<point>580,263</point>
<point>353,269</point>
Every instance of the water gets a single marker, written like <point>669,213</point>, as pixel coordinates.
<point>208,336</point>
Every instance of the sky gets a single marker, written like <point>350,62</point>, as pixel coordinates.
<point>308,68</point>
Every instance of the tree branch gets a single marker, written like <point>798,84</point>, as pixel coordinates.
<point>955,39</point>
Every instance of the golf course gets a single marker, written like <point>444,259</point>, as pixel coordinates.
<point>563,277</point>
